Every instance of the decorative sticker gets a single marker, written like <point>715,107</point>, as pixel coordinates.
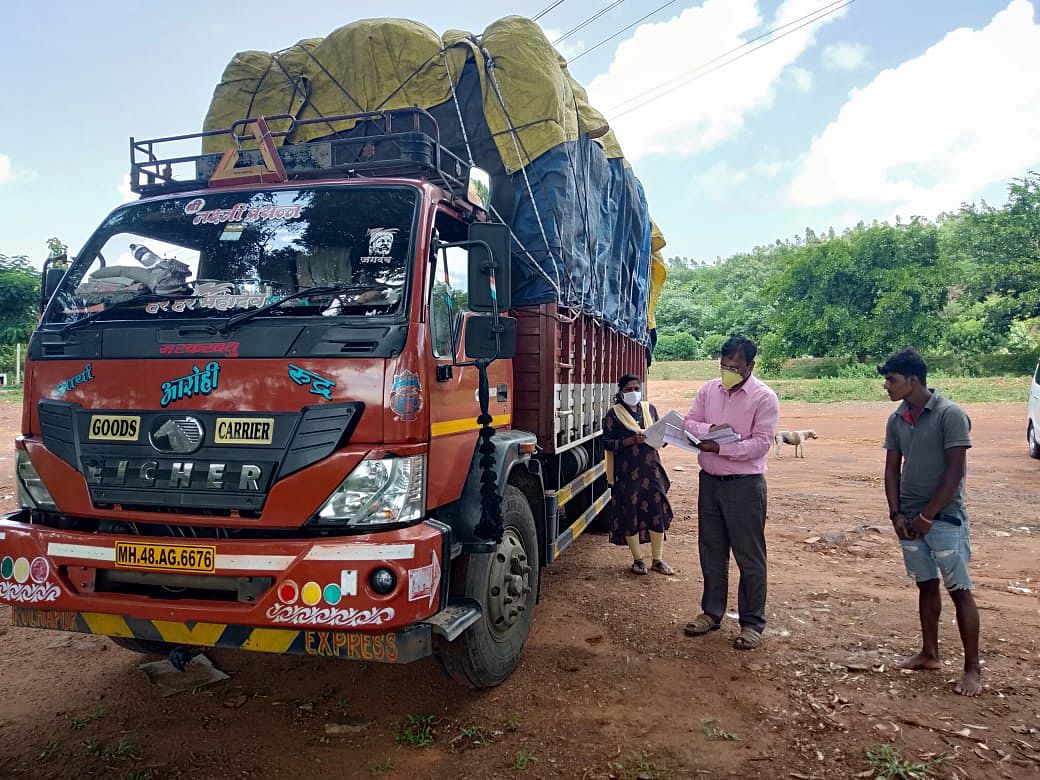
<point>228,349</point>
<point>423,582</point>
<point>356,646</point>
<point>319,384</point>
<point>210,295</point>
<point>29,617</point>
<point>406,396</point>
<point>70,384</point>
<point>240,212</point>
<point>201,381</point>
<point>380,243</point>
<point>329,616</point>
<point>244,430</point>
<point>15,576</point>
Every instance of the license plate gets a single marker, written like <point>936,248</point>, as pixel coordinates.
<point>114,427</point>
<point>166,557</point>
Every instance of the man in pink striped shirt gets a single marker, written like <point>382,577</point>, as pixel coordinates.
<point>731,501</point>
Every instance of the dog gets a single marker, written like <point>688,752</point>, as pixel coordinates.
<point>797,438</point>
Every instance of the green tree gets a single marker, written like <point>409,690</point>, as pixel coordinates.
<point>19,298</point>
<point>871,290</point>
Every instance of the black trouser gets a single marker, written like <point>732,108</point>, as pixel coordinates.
<point>732,516</point>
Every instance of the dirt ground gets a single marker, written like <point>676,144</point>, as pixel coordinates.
<point>609,686</point>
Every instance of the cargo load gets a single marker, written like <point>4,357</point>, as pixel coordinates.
<point>503,101</point>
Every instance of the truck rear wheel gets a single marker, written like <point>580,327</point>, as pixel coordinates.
<point>505,583</point>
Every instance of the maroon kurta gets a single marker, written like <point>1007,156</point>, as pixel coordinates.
<point>639,494</point>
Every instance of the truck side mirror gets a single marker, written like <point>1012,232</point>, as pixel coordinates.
<point>483,268</point>
<point>54,269</point>
<point>490,338</point>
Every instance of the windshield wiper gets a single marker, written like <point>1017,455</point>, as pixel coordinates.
<point>237,319</point>
<point>143,298</point>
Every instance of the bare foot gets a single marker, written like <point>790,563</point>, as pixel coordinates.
<point>970,684</point>
<point>922,661</point>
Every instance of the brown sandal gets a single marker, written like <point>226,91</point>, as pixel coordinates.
<point>638,567</point>
<point>700,625</point>
<point>749,639</point>
<point>662,568</point>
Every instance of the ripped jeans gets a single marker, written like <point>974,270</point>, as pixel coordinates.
<point>944,549</point>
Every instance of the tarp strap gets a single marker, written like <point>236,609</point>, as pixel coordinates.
<point>411,76</point>
<point>489,68</point>
<point>458,109</point>
<point>297,85</point>
<point>332,78</point>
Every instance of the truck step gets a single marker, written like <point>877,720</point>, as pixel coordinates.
<point>455,618</point>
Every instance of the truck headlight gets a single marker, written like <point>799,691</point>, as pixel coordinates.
<point>378,492</point>
<point>32,493</point>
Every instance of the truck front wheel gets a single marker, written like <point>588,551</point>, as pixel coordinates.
<point>505,583</point>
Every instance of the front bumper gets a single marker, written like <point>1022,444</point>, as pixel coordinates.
<point>307,596</point>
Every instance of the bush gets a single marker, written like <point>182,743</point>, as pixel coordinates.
<point>711,345</point>
<point>677,346</point>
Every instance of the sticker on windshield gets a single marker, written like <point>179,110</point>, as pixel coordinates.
<point>228,349</point>
<point>380,242</point>
<point>70,384</point>
<point>210,295</point>
<point>319,384</point>
<point>199,382</point>
<point>240,212</point>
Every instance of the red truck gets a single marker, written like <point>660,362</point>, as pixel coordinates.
<point>251,412</point>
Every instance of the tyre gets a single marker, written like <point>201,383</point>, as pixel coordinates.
<point>506,585</point>
<point>143,646</point>
<point>1034,444</point>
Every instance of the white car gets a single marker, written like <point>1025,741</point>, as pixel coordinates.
<point>1033,425</point>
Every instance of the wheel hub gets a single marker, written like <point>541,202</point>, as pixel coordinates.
<point>509,582</point>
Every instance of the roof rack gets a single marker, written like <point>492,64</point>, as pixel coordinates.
<point>398,142</point>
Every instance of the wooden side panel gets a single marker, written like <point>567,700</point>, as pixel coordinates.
<point>565,373</point>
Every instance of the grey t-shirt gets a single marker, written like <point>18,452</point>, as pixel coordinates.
<point>923,445</point>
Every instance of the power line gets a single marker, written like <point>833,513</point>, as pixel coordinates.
<point>544,11</point>
<point>587,22</point>
<point>699,72</point>
<point>624,29</point>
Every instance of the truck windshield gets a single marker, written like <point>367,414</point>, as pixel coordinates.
<point>225,253</point>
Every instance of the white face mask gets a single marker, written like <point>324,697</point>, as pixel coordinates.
<point>632,397</point>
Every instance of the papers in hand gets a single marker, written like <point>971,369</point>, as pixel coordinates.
<point>670,430</point>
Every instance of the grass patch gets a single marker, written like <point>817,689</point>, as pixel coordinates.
<point>889,765</point>
<point>964,390</point>
<point>473,736</point>
<point>638,767</point>
<point>416,731</point>
<point>124,748</point>
<point>383,767</point>
<point>713,731</point>
<point>50,750</point>
<point>83,720</point>
<point>523,760</point>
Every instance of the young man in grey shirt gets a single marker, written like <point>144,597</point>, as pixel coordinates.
<point>927,441</point>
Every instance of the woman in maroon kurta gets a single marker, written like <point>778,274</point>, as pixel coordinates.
<point>640,485</point>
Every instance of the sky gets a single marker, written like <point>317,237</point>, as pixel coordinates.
<point>862,110</point>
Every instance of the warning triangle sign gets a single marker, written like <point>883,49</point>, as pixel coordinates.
<point>272,169</point>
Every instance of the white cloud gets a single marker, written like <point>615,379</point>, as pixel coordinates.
<point>6,172</point>
<point>801,78</point>
<point>125,193</point>
<point>932,132</point>
<point>696,109</point>
<point>844,56</point>
<point>569,48</point>
<point>718,182</point>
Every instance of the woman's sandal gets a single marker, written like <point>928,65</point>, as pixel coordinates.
<point>749,639</point>
<point>700,625</point>
<point>638,567</point>
<point>662,568</point>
